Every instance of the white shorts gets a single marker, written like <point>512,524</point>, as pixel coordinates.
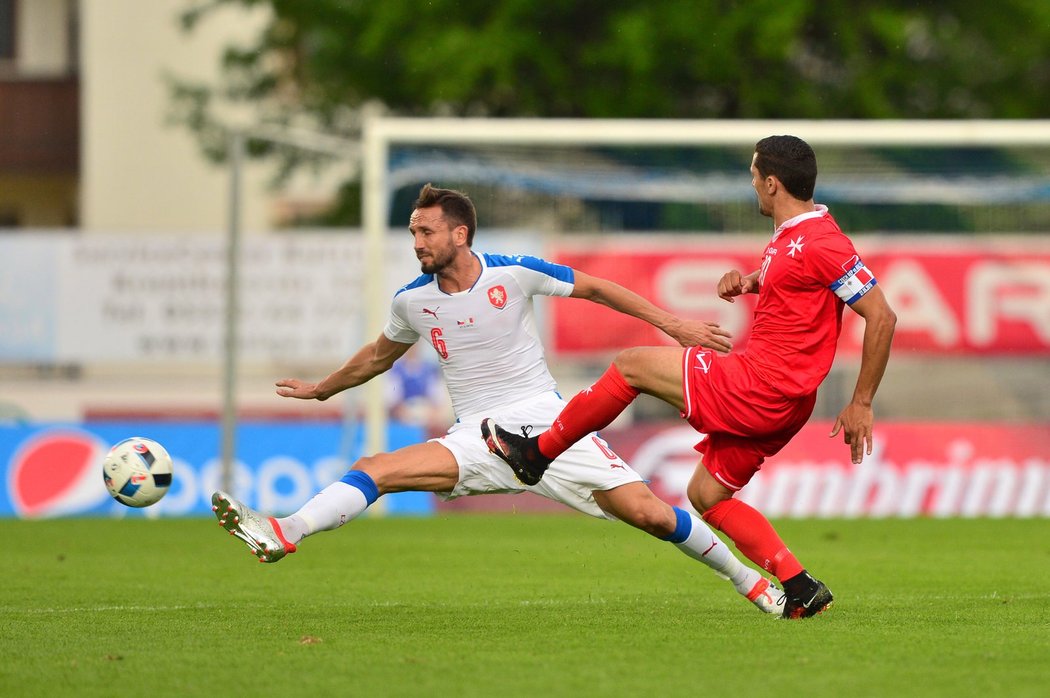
<point>588,466</point>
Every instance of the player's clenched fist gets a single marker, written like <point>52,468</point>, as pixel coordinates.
<point>733,283</point>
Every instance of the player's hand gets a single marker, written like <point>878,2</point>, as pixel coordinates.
<point>293,387</point>
<point>855,422</point>
<point>710,335</point>
<point>733,283</point>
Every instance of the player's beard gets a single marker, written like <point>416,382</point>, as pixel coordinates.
<point>438,261</point>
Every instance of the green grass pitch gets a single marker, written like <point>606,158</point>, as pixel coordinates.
<point>515,605</point>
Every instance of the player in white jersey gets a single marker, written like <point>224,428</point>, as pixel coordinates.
<point>475,310</point>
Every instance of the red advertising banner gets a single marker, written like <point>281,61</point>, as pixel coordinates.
<point>916,469</point>
<point>954,297</point>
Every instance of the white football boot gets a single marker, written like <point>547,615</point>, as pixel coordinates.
<point>261,533</point>
<point>767,597</point>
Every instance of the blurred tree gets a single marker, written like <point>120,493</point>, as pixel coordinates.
<point>629,58</point>
<point>636,58</point>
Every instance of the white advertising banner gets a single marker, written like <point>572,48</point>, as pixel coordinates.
<point>72,298</point>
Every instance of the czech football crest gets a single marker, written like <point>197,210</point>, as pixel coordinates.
<point>498,297</point>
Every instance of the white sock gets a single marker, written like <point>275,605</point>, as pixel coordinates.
<point>703,545</point>
<point>328,509</point>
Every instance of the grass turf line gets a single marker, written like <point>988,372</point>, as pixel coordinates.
<point>515,605</point>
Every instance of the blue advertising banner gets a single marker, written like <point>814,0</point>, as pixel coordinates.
<point>56,469</point>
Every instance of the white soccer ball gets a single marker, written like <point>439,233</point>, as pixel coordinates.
<point>137,472</point>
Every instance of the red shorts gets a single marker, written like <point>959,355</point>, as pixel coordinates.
<point>745,420</point>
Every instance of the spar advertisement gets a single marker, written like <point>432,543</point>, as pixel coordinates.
<point>915,469</point>
<point>51,470</point>
<point>953,297</point>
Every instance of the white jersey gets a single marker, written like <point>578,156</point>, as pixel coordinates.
<point>485,337</point>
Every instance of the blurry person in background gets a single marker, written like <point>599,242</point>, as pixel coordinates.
<point>416,392</point>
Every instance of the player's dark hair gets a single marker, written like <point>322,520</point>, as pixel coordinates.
<point>456,206</point>
<point>792,161</point>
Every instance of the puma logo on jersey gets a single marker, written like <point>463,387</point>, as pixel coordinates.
<point>434,312</point>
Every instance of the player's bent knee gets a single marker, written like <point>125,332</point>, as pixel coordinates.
<point>364,463</point>
<point>631,365</point>
<point>658,521</point>
<point>699,504</point>
<point>692,493</point>
<point>701,497</point>
<point>376,467</point>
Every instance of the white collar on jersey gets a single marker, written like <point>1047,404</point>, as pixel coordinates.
<point>818,211</point>
<point>481,261</point>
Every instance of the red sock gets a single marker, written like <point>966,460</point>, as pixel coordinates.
<point>591,410</point>
<point>754,536</point>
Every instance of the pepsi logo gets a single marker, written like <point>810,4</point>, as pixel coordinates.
<point>140,448</point>
<point>55,473</point>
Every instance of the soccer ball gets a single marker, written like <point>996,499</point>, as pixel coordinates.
<point>137,472</point>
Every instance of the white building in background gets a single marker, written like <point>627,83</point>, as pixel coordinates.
<point>140,173</point>
<point>85,137</point>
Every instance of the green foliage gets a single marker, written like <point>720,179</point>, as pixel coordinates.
<point>635,58</point>
<point>513,605</point>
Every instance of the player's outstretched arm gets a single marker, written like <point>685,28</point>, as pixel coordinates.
<point>857,419</point>
<point>371,360</point>
<point>688,333</point>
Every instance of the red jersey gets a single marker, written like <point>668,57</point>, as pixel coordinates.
<point>809,272</point>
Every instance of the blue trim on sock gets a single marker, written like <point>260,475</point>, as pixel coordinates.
<point>364,482</point>
<point>683,527</point>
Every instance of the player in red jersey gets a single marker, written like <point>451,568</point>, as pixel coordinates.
<point>750,404</point>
